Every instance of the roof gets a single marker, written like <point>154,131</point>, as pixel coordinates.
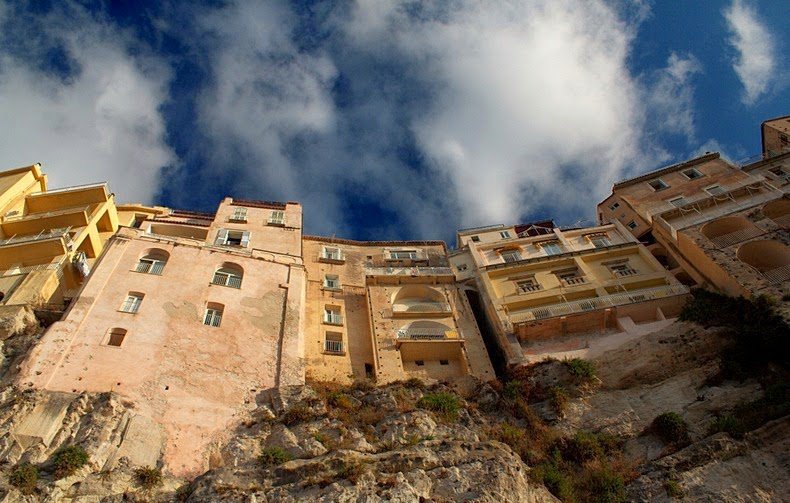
<point>334,240</point>
<point>253,203</point>
<point>667,169</point>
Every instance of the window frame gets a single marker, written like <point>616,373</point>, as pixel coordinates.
<point>614,205</point>
<point>505,234</point>
<point>333,277</point>
<point>715,186</point>
<point>514,254</point>
<point>333,315</point>
<point>697,173</point>
<point>131,306</point>
<point>276,217</point>
<point>673,200</point>
<point>155,266</point>
<point>630,226</point>
<point>412,254</point>
<point>546,245</point>
<point>239,215</point>
<point>224,236</point>
<point>112,333</point>
<point>664,185</point>
<point>213,315</point>
<point>231,279</point>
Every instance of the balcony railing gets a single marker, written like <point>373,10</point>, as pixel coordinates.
<point>335,347</point>
<point>41,236</point>
<point>427,334</point>
<point>731,238</point>
<point>529,288</point>
<point>778,275</point>
<point>628,271</point>
<point>420,307</point>
<point>574,280</point>
<point>333,318</point>
<point>409,271</point>
<point>580,306</point>
<point>37,216</point>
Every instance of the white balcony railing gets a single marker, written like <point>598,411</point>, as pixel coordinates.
<point>333,347</point>
<point>591,304</point>
<point>409,271</point>
<point>38,216</point>
<point>332,318</point>
<point>420,307</point>
<point>41,236</point>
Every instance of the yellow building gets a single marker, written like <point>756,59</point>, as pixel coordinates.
<point>389,311</point>
<point>49,239</point>
<point>539,282</point>
<point>711,222</point>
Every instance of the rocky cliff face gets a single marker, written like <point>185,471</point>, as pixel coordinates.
<point>555,431</point>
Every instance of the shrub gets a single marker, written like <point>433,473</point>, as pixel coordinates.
<point>729,424</point>
<point>273,456</point>
<point>582,370</point>
<point>69,459</point>
<point>24,477</point>
<point>363,385</point>
<point>513,389</point>
<point>148,477</point>
<point>299,413</point>
<point>350,470</point>
<point>340,400</point>
<point>414,383</point>
<point>671,428</point>
<point>603,484</point>
<point>558,397</point>
<point>557,482</point>
<point>582,447</point>
<point>673,489</point>
<point>445,404</point>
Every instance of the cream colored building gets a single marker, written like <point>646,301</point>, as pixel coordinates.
<point>539,282</point>
<point>189,316</point>
<point>713,223</point>
<point>387,311</point>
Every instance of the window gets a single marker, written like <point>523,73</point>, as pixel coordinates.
<point>783,138</point>
<point>239,215</point>
<point>504,234</point>
<point>152,262</point>
<point>570,277</point>
<point>527,285</point>
<point>333,343</point>
<point>331,282</point>
<point>658,184</point>
<point>132,303</point>
<point>331,253</point>
<point>277,218</point>
<point>691,173</point>
<point>462,267</point>
<point>632,225</point>
<point>551,247</point>
<point>714,190</point>
<point>677,202</point>
<point>614,206</point>
<point>404,254</point>
<point>332,316</point>
<point>475,239</point>
<point>227,237</point>
<point>778,171</point>
<point>228,275</point>
<point>444,362</point>
<point>600,240</point>
<point>419,363</point>
<point>213,316</point>
<point>116,337</point>
<point>622,269</point>
<point>510,255</point>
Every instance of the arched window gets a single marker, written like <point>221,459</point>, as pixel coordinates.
<point>228,275</point>
<point>152,262</point>
<point>213,316</point>
<point>115,336</point>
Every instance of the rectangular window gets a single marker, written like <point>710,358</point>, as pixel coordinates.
<point>277,218</point>
<point>239,215</point>
<point>510,255</point>
<point>714,190</point>
<point>331,253</point>
<point>527,285</point>
<point>571,277</point>
<point>551,247</point>
<point>504,234</point>
<point>778,171</point>
<point>658,184</point>
<point>691,173</point>
<point>600,241</point>
<point>332,316</point>
<point>632,225</point>
<point>419,363</point>
<point>150,266</point>
<point>475,239</point>
<point>132,303</point>
<point>213,316</point>
<point>677,202</point>
<point>333,343</point>
<point>444,362</point>
<point>404,254</point>
<point>117,335</point>
<point>622,269</point>
<point>614,206</point>
<point>462,267</point>
<point>332,282</point>
<point>227,237</point>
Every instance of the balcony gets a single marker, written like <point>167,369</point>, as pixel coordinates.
<point>409,271</point>
<point>331,256</point>
<point>573,280</point>
<point>334,347</point>
<point>333,318</point>
<point>420,308</point>
<point>625,272</point>
<point>41,236</point>
<point>426,332</point>
<point>595,303</point>
<point>81,195</point>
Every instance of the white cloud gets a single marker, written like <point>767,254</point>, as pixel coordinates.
<point>755,61</point>
<point>100,124</point>
<point>670,97</point>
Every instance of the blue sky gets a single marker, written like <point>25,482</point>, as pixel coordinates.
<point>386,119</point>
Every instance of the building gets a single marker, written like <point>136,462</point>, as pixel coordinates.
<point>776,136</point>
<point>49,239</point>
<point>540,282</point>
<point>387,310</point>
<point>190,316</point>
<point>713,223</point>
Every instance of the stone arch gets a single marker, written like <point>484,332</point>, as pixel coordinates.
<point>725,225</point>
<point>778,211</point>
<point>765,255</point>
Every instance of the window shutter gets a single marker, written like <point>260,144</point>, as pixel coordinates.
<point>245,239</point>
<point>222,237</point>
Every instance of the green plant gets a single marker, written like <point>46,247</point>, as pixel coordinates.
<point>273,456</point>
<point>513,389</point>
<point>183,492</point>
<point>558,397</point>
<point>350,470</point>
<point>414,383</point>
<point>24,477</point>
<point>671,428</point>
<point>673,489</point>
<point>445,404</point>
<point>340,400</point>
<point>602,484</point>
<point>68,460</point>
<point>727,423</point>
<point>148,477</point>
<point>582,370</point>
<point>299,413</point>
<point>582,447</point>
<point>555,480</point>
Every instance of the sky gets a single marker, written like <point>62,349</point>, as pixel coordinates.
<point>386,119</point>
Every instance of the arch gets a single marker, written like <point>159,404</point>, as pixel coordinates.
<point>778,211</point>
<point>426,330</point>
<point>152,261</point>
<point>765,255</point>
<point>723,226</point>
<point>228,274</point>
<point>418,298</point>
